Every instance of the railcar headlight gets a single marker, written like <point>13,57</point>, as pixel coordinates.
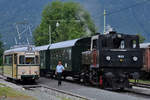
<point>108,58</point>
<point>23,71</point>
<point>135,58</point>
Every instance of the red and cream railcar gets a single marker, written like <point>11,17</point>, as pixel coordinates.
<point>146,60</point>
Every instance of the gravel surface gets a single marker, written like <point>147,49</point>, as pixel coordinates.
<point>90,92</point>
<point>42,94</point>
<point>38,93</point>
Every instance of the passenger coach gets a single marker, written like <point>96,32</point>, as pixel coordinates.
<point>21,63</point>
<point>69,52</point>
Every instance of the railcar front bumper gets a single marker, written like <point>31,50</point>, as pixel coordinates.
<point>33,77</point>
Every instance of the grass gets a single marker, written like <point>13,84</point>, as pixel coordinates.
<point>2,84</point>
<point>1,69</point>
<point>63,98</point>
<point>12,94</point>
<point>140,81</point>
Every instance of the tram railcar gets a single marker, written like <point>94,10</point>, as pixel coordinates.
<point>103,60</point>
<point>21,63</point>
<point>145,71</point>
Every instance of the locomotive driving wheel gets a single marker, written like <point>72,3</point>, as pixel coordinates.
<point>94,76</point>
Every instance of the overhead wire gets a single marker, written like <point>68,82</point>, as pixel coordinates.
<point>130,7</point>
<point>126,8</point>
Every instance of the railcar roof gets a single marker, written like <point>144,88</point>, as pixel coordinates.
<point>21,49</point>
<point>145,45</point>
<point>62,44</point>
<point>40,48</point>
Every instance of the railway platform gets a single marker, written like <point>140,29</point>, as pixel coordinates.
<point>91,92</point>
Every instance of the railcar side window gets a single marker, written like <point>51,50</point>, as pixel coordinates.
<point>8,59</point>
<point>21,60</point>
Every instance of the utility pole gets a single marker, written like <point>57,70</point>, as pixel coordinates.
<point>104,22</point>
<point>49,34</point>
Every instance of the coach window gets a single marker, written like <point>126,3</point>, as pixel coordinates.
<point>70,54</point>
<point>21,60</point>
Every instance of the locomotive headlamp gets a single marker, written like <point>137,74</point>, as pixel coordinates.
<point>108,58</point>
<point>119,35</point>
<point>135,58</point>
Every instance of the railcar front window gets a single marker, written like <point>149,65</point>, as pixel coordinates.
<point>21,60</point>
<point>30,60</point>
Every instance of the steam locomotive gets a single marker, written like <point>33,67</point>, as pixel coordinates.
<point>103,60</point>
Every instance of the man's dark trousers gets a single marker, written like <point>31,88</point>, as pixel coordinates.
<point>59,78</point>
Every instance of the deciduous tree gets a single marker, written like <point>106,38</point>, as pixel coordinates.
<point>74,22</point>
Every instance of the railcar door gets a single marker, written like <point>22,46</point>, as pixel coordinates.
<point>15,66</point>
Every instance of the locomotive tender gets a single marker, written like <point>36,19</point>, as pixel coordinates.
<point>103,60</point>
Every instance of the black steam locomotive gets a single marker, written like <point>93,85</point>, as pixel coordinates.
<point>103,60</point>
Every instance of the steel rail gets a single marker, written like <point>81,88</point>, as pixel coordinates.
<point>56,90</point>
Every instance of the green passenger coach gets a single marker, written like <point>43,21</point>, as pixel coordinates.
<point>69,52</point>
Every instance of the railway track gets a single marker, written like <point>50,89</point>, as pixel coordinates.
<point>140,85</point>
<point>57,91</point>
<point>137,93</point>
<point>129,91</point>
<point>74,95</point>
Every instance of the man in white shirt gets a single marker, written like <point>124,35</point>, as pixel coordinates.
<point>59,69</point>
